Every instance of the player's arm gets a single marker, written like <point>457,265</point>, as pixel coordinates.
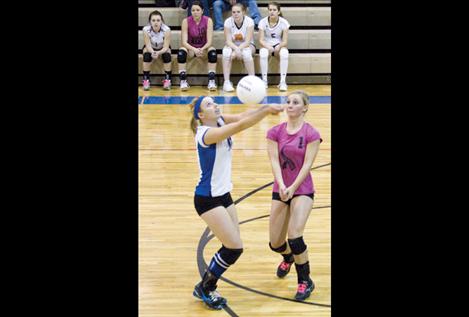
<point>229,40</point>
<point>311,151</point>
<point>184,42</point>
<point>272,150</point>
<point>284,42</point>
<point>167,41</point>
<point>209,34</point>
<point>229,118</point>
<point>262,38</point>
<point>247,40</point>
<point>146,39</point>
<point>215,135</point>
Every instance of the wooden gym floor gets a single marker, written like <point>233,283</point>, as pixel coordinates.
<point>173,241</point>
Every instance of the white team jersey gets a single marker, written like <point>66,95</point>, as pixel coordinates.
<point>157,39</point>
<point>214,165</point>
<point>238,35</point>
<point>273,35</point>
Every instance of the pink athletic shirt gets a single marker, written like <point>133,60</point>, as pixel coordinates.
<point>292,151</point>
<point>197,33</point>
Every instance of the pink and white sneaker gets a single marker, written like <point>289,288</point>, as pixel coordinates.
<point>146,84</point>
<point>167,84</point>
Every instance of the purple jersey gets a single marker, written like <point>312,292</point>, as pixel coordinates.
<point>197,33</point>
<point>292,151</point>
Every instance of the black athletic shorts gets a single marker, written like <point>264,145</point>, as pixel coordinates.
<point>276,196</point>
<point>204,203</point>
<point>273,53</point>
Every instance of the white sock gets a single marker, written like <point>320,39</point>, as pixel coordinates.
<point>283,64</point>
<point>263,61</point>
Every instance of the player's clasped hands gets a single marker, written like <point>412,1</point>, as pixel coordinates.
<point>199,52</point>
<point>286,193</point>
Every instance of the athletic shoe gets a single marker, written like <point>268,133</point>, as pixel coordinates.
<point>146,84</point>
<point>184,85</point>
<point>283,269</point>
<point>282,86</point>
<point>228,86</point>
<point>212,85</point>
<point>304,290</point>
<point>167,84</point>
<point>212,299</point>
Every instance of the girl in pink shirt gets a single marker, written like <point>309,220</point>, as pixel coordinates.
<point>196,41</point>
<point>292,147</point>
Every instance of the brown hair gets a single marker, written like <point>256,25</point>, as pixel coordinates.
<point>276,4</point>
<point>156,12</point>
<point>239,4</point>
<point>304,96</point>
<point>197,3</point>
<point>194,122</point>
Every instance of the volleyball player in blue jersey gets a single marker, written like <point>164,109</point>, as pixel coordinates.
<point>212,197</point>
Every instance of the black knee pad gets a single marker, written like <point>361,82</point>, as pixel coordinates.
<point>182,56</point>
<point>212,56</point>
<point>147,57</point>
<point>229,255</point>
<point>297,245</point>
<point>166,57</point>
<point>280,249</point>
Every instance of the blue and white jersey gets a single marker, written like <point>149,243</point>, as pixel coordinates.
<point>214,165</point>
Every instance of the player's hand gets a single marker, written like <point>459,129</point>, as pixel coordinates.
<point>238,53</point>
<point>275,108</point>
<point>277,49</point>
<point>290,191</point>
<point>282,192</point>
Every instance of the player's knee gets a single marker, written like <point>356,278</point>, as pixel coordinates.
<point>279,249</point>
<point>263,53</point>
<point>166,57</point>
<point>147,57</point>
<point>230,256</point>
<point>212,56</point>
<point>283,53</point>
<point>247,54</point>
<point>182,56</point>
<point>297,245</point>
<point>227,51</point>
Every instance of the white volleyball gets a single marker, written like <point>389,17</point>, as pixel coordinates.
<point>251,90</point>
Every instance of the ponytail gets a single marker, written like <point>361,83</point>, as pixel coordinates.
<point>194,122</point>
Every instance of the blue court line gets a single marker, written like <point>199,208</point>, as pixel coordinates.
<point>233,100</point>
<point>139,99</point>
